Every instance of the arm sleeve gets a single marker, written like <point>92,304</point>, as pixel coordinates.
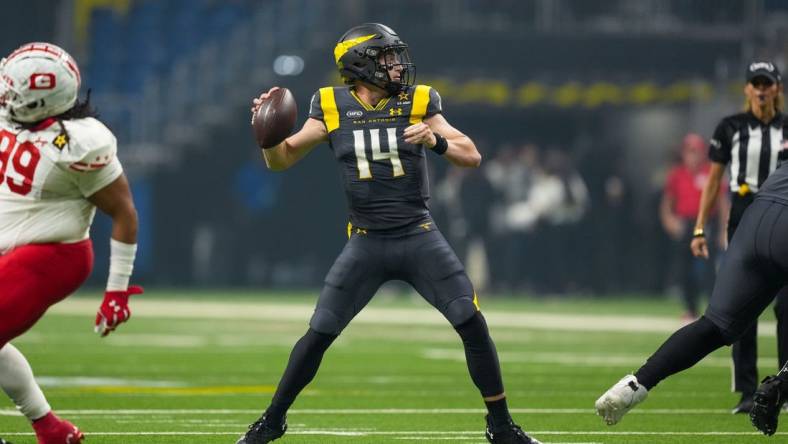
<point>720,144</point>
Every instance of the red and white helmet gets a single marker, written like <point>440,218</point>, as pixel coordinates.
<point>38,80</point>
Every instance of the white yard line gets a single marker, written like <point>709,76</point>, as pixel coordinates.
<point>432,434</point>
<point>571,358</point>
<point>159,308</point>
<point>185,309</point>
<point>157,412</point>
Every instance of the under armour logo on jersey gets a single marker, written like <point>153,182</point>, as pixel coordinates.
<point>395,111</point>
<point>426,226</point>
<point>60,141</point>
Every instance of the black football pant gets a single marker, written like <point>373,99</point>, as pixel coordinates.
<point>745,350</point>
<point>754,269</point>
<point>424,260</point>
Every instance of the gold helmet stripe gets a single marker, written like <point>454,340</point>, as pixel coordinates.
<point>343,47</point>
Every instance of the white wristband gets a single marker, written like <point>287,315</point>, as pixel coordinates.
<point>121,264</point>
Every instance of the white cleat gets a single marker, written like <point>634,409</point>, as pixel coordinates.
<point>620,399</point>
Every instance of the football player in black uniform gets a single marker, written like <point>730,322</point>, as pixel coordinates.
<point>380,128</point>
<point>753,269</point>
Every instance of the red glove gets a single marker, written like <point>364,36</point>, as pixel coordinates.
<point>114,310</point>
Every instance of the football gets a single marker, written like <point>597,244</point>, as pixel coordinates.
<point>275,118</point>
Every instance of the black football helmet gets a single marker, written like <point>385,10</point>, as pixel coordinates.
<point>367,52</point>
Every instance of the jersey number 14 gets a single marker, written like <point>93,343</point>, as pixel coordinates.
<point>22,159</point>
<point>364,171</point>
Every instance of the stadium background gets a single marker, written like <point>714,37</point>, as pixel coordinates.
<point>601,91</point>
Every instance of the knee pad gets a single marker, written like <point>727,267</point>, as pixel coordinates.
<point>474,329</point>
<point>321,340</point>
<point>460,310</point>
<point>327,322</point>
<point>715,334</point>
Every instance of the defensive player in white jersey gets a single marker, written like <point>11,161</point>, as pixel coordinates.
<point>57,164</point>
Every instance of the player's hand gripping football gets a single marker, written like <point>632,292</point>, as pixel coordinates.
<point>420,134</point>
<point>258,101</point>
<point>114,310</point>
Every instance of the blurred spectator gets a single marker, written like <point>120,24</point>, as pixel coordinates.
<point>476,195</point>
<point>612,229</point>
<point>511,174</point>
<point>466,197</point>
<point>560,197</point>
<point>677,211</point>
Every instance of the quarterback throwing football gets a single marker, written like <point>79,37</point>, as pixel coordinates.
<point>57,164</point>
<point>380,128</point>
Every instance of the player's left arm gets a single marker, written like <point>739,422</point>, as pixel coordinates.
<point>116,201</point>
<point>460,149</point>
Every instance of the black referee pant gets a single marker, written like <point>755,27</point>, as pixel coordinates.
<point>745,350</point>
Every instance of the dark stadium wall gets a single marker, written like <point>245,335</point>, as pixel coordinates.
<point>29,21</point>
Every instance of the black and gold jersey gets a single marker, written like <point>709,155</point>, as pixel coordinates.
<point>385,178</point>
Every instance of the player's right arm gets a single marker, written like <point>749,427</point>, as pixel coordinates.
<point>115,201</point>
<point>95,169</point>
<point>295,147</point>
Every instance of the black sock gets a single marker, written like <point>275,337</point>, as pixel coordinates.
<point>301,369</point>
<point>481,356</point>
<point>499,413</point>
<point>682,350</point>
<point>276,412</point>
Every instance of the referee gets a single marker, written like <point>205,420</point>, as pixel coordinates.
<point>751,142</point>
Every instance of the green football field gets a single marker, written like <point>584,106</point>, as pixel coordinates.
<point>199,367</point>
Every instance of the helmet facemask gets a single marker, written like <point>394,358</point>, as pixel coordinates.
<point>389,58</point>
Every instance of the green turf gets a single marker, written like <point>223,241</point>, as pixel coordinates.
<point>167,371</point>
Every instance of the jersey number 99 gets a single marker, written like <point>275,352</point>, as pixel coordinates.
<point>22,159</point>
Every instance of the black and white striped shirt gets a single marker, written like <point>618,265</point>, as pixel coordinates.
<point>750,146</point>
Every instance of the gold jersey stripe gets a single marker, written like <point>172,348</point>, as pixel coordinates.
<point>349,229</point>
<point>421,98</point>
<point>476,301</point>
<point>364,104</point>
<point>329,106</point>
<point>382,104</point>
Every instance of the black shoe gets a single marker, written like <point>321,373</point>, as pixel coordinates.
<point>263,431</point>
<point>768,400</point>
<point>511,433</point>
<point>744,405</point>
